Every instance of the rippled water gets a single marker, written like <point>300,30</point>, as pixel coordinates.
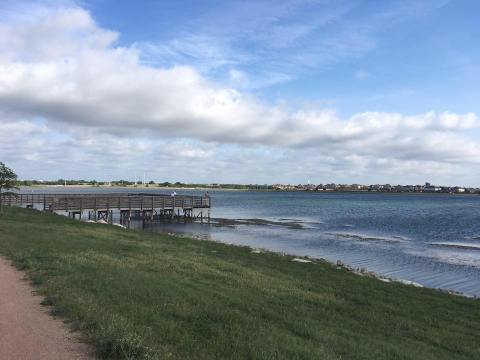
<point>430,239</point>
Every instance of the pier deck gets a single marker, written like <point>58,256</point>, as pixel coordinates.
<point>147,206</point>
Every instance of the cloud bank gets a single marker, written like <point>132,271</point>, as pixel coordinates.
<point>66,84</point>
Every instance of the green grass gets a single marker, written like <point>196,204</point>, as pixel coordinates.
<point>134,294</point>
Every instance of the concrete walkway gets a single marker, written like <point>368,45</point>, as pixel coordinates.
<point>27,331</point>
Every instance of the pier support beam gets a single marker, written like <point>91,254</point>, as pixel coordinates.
<point>102,215</point>
<point>125,216</point>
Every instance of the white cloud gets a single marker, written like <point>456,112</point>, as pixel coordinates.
<point>361,74</point>
<point>98,101</point>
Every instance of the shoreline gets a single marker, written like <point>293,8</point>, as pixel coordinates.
<point>339,264</point>
<point>294,225</point>
<point>291,224</point>
<point>141,187</point>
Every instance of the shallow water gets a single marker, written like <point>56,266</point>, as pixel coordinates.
<point>432,239</point>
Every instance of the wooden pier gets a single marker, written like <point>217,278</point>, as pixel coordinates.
<point>127,206</point>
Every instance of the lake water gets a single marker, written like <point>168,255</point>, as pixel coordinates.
<point>433,239</point>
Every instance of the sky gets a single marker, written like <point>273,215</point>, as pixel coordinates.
<point>294,91</point>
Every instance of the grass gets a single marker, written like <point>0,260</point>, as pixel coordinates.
<point>139,295</point>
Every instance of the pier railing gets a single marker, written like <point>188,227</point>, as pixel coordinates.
<point>118,201</point>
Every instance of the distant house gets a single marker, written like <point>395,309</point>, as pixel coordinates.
<point>432,189</point>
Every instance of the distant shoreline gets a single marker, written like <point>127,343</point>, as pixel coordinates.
<point>243,190</point>
<point>135,187</point>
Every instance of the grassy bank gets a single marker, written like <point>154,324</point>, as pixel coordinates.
<point>141,295</point>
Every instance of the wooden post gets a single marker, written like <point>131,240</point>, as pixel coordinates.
<point>209,199</point>
<point>81,209</point>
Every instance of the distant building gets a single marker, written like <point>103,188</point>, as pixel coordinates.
<point>432,188</point>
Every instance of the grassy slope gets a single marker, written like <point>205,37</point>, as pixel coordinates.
<point>141,295</point>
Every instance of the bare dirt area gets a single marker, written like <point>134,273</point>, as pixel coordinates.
<point>27,331</point>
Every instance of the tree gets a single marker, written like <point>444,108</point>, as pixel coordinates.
<point>8,181</point>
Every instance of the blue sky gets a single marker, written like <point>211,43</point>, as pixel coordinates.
<point>253,91</point>
<point>394,56</point>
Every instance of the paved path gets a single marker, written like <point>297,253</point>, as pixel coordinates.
<point>27,331</point>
